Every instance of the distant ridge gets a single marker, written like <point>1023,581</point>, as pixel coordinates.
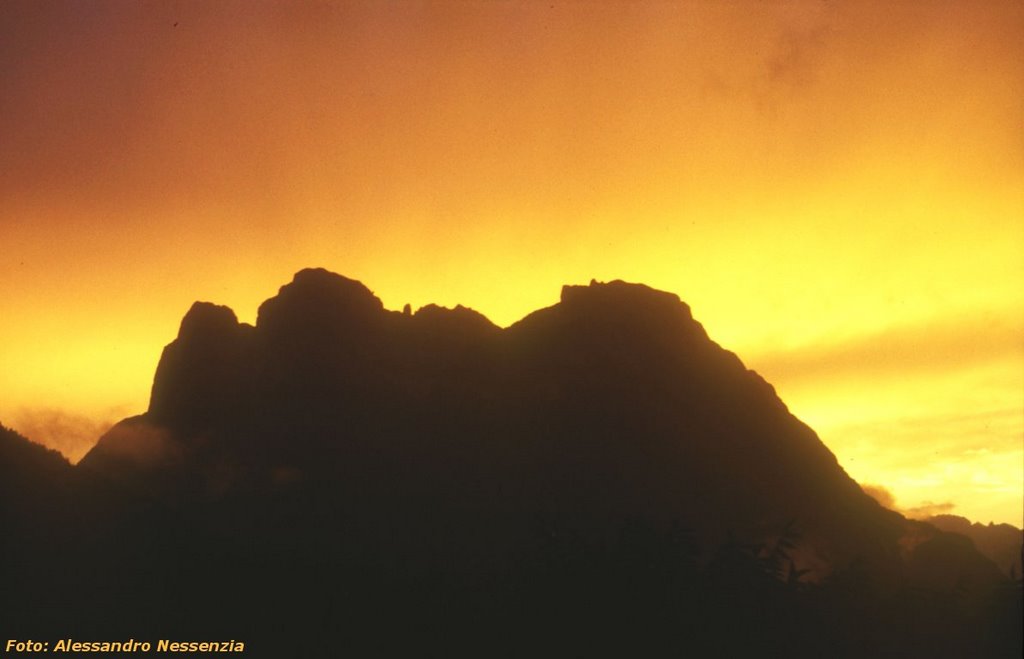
<point>1001,543</point>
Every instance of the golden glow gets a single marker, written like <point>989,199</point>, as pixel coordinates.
<point>837,189</point>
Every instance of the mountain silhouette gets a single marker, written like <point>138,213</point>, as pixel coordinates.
<point>598,479</point>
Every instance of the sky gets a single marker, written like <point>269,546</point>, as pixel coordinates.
<point>836,189</point>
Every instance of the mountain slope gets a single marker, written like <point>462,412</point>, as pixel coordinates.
<point>610,405</point>
<point>600,472</point>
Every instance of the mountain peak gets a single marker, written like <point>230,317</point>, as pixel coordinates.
<point>327,286</point>
<point>617,291</point>
<point>205,319</point>
<point>619,312</point>
<point>455,319</point>
<point>198,370</point>
<point>318,298</point>
<point>632,302</point>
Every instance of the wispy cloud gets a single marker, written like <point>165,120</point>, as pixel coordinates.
<point>70,433</point>
<point>884,496</point>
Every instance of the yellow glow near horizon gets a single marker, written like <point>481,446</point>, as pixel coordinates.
<point>837,191</point>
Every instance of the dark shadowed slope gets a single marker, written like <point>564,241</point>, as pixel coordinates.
<point>598,479</point>
<point>35,483</point>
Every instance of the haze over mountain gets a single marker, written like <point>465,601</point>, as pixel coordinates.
<point>600,473</point>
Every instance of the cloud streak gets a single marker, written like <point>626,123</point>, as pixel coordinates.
<point>901,351</point>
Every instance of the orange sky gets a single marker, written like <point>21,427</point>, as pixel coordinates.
<point>837,189</point>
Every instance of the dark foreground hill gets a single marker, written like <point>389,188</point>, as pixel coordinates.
<point>598,479</point>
